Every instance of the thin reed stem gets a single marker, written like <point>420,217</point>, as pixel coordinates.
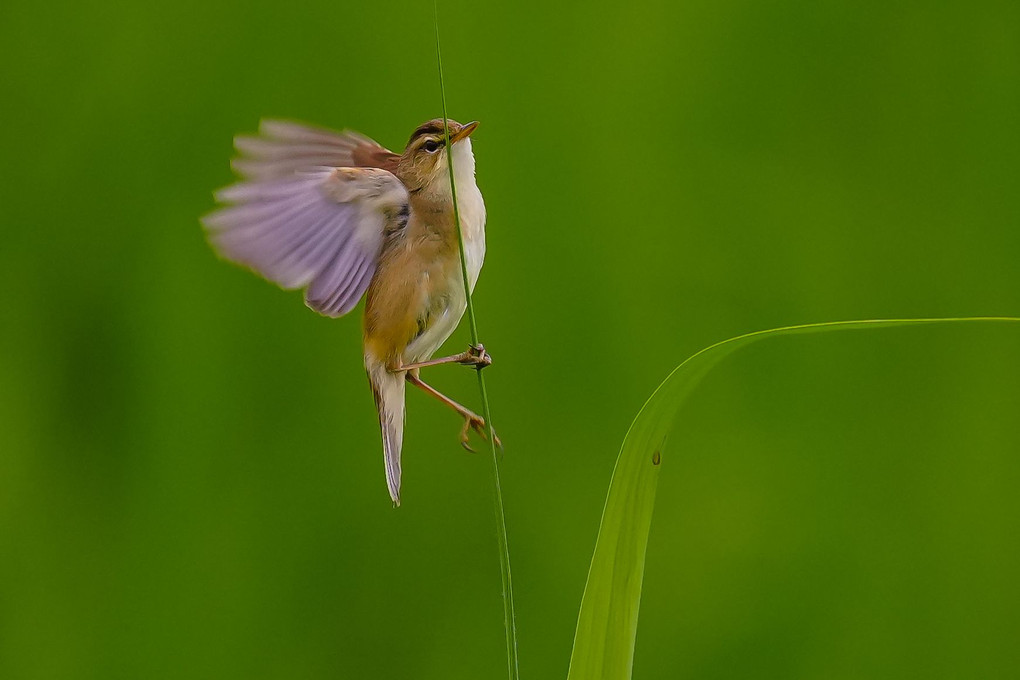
<point>509,622</point>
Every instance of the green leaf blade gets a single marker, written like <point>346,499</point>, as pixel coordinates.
<point>606,631</point>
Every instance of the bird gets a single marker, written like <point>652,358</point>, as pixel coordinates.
<point>340,216</point>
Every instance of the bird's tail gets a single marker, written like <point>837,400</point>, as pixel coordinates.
<point>388,390</point>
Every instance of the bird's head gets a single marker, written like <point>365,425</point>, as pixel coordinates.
<point>423,165</point>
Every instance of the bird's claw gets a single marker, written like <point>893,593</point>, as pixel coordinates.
<point>476,357</point>
<point>476,423</point>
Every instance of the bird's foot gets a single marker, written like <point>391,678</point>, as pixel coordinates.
<point>477,423</point>
<point>476,357</point>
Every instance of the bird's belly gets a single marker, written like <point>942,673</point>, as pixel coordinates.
<point>447,300</point>
<point>443,321</point>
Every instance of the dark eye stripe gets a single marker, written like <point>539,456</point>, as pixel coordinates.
<point>431,127</point>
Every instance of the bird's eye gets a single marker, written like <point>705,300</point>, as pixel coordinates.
<point>431,145</point>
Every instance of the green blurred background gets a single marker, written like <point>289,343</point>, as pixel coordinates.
<point>191,482</point>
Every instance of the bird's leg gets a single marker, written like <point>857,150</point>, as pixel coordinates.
<point>476,357</point>
<point>472,420</point>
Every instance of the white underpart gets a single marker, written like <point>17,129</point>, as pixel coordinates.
<point>472,220</point>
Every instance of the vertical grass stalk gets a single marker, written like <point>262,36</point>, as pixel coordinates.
<point>509,623</point>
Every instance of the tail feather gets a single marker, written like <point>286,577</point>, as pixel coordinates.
<point>388,389</point>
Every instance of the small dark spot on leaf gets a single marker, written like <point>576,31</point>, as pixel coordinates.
<point>656,458</point>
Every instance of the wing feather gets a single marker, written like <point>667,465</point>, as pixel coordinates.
<point>303,133</point>
<point>320,229</point>
<point>284,147</point>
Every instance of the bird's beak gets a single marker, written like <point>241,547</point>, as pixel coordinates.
<point>464,132</point>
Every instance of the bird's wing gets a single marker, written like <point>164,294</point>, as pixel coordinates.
<point>321,229</point>
<point>282,147</point>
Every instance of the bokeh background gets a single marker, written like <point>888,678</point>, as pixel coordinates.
<point>191,482</point>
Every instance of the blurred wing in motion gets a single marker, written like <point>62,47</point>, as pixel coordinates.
<point>320,228</point>
<point>283,147</point>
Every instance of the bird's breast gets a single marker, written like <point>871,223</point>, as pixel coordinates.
<point>445,302</point>
<point>472,218</point>
<point>417,295</point>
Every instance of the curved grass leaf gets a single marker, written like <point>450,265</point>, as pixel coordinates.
<point>607,623</point>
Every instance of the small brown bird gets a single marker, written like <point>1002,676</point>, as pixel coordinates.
<point>337,214</point>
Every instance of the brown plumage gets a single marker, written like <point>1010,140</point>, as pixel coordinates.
<point>337,214</point>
